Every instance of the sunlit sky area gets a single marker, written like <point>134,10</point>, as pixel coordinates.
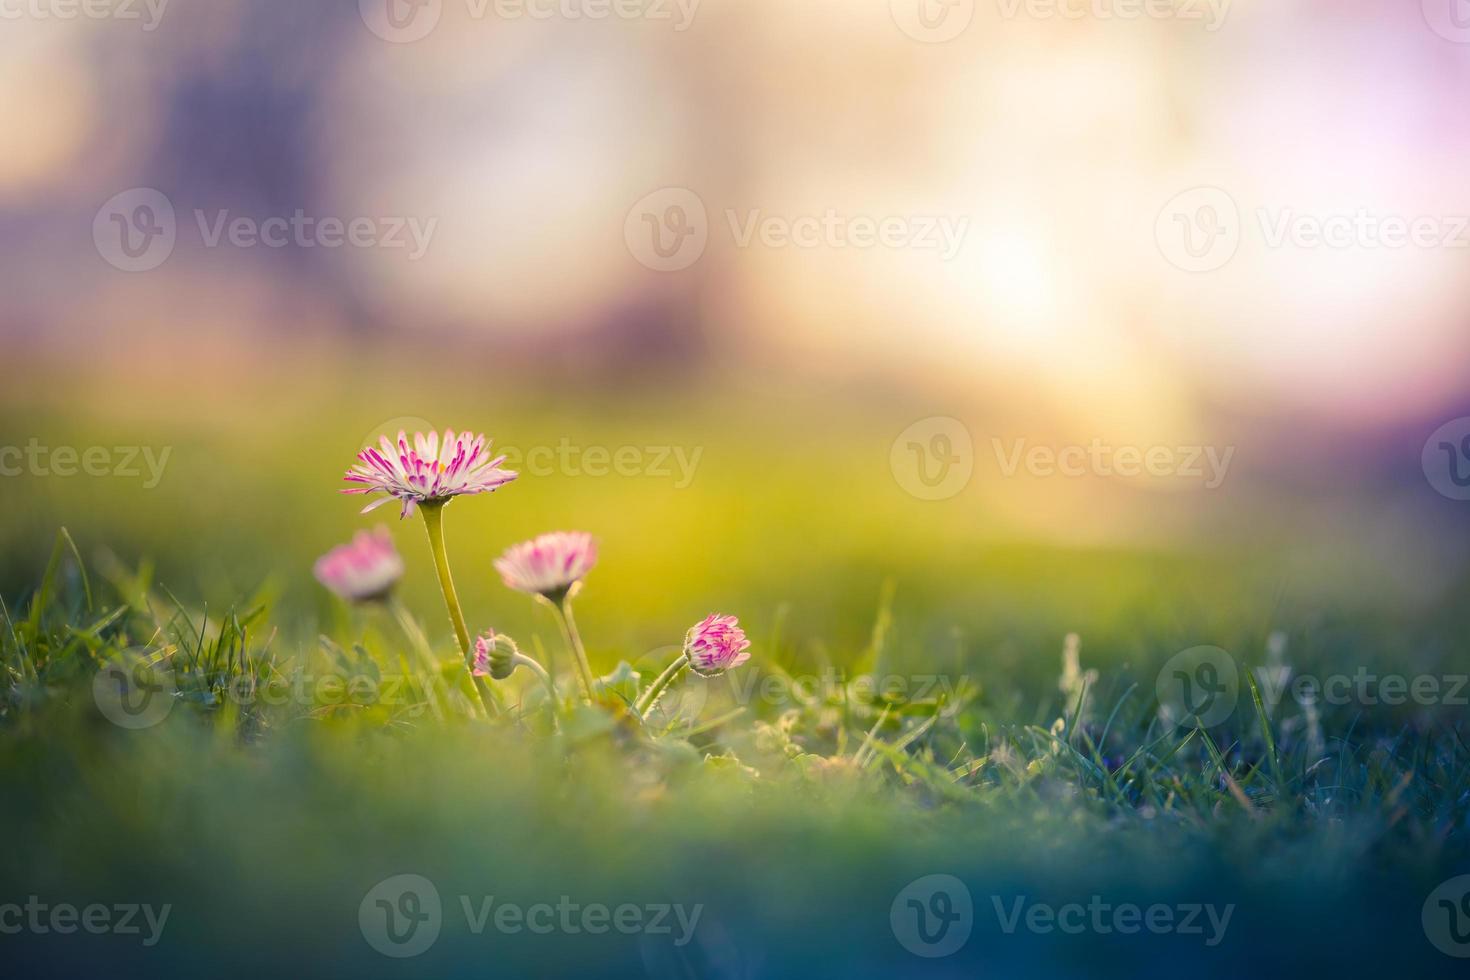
<point>1059,223</point>
<point>1056,141</point>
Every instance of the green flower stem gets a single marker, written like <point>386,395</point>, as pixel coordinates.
<point>434,522</point>
<point>574,642</point>
<point>650,696</point>
<point>534,667</point>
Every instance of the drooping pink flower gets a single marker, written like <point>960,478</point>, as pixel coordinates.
<point>484,648</point>
<point>716,644</point>
<point>495,656</point>
<point>548,564</point>
<point>428,469</point>
<point>366,568</point>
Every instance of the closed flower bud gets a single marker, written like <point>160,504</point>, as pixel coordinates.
<point>495,655</point>
<point>715,645</point>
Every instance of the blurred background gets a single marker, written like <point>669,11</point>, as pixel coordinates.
<point>773,297</point>
<point>932,330</point>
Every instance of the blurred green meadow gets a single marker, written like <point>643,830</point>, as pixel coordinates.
<point>907,711</point>
<point>1070,403</point>
<point>768,497</point>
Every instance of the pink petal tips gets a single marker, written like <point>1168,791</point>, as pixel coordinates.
<point>495,656</point>
<point>427,470</point>
<point>484,647</point>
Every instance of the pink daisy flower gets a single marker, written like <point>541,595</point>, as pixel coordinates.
<point>549,564</point>
<point>484,650</point>
<point>428,470</point>
<point>365,569</point>
<point>716,644</point>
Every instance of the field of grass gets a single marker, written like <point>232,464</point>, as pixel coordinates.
<point>909,710</point>
<point>266,803</point>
